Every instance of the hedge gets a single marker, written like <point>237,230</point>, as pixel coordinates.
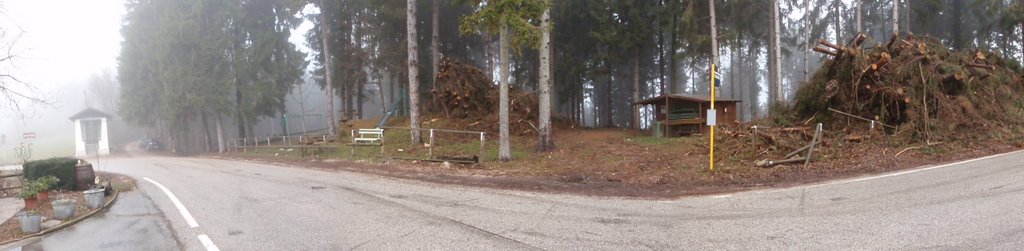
<point>63,168</point>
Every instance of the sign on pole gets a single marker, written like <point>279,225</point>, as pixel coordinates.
<point>28,135</point>
<point>712,117</point>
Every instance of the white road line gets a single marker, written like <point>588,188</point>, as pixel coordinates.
<point>207,243</point>
<point>852,180</point>
<point>838,182</point>
<point>177,203</point>
<point>919,169</point>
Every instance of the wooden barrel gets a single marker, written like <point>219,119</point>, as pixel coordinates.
<point>84,176</point>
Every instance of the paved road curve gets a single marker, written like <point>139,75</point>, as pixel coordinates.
<point>250,206</point>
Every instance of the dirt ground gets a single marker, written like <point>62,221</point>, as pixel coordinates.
<point>614,162</point>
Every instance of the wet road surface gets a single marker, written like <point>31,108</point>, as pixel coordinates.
<point>250,206</point>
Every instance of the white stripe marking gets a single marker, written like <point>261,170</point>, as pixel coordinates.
<point>838,182</point>
<point>910,171</point>
<point>177,203</point>
<point>207,243</point>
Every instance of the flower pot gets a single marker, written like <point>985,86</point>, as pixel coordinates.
<point>94,198</point>
<point>63,209</point>
<point>30,222</point>
<point>30,203</point>
<point>43,196</point>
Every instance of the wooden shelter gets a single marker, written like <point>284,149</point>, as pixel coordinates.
<point>680,115</point>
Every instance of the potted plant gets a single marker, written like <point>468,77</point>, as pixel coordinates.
<point>94,197</point>
<point>44,185</point>
<point>64,207</point>
<point>30,221</point>
<point>29,191</point>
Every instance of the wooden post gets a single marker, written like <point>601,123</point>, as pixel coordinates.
<point>430,149</point>
<point>753,136</point>
<point>480,158</point>
<point>817,134</point>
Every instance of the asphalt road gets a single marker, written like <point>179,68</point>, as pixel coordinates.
<point>250,206</point>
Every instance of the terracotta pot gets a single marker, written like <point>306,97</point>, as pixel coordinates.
<point>43,197</point>
<point>30,203</point>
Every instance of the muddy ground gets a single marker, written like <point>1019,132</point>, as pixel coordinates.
<point>612,162</point>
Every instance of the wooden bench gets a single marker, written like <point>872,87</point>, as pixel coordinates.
<point>367,137</point>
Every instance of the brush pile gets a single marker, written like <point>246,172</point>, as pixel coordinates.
<point>460,90</point>
<point>917,88</point>
<point>466,93</point>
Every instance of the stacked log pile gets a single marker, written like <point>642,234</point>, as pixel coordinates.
<point>925,91</point>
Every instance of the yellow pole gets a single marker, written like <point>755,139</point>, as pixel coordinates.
<point>712,158</point>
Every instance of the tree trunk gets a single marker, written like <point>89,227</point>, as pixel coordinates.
<point>770,51</point>
<point>488,56</point>
<point>328,71</point>
<point>714,42</point>
<point>344,100</point>
<point>359,99</point>
<point>858,24</point>
<point>906,17</point>
<point>661,62</point>
<point>636,89</point>
<point>608,120</point>
<point>959,41</point>
<point>896,16</point>
<point>753,56</point>
<point>545,143</point>
<point>807,39</point>
<point>435,40</point>
<point>207,140</point>
<point>778,52</point>
<point>733,89</point>
<point>239,118</point>
<point>504,144</point>
<point>392,85</point>
<point>837,14</point>
<point>673,88</point>
<point>380,93</point>
<point>414,73</point>
<point>221,145</point>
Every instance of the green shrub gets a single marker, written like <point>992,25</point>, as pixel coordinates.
<point>29,189</point>
<point>47,182</point>
<point>61,168</point>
